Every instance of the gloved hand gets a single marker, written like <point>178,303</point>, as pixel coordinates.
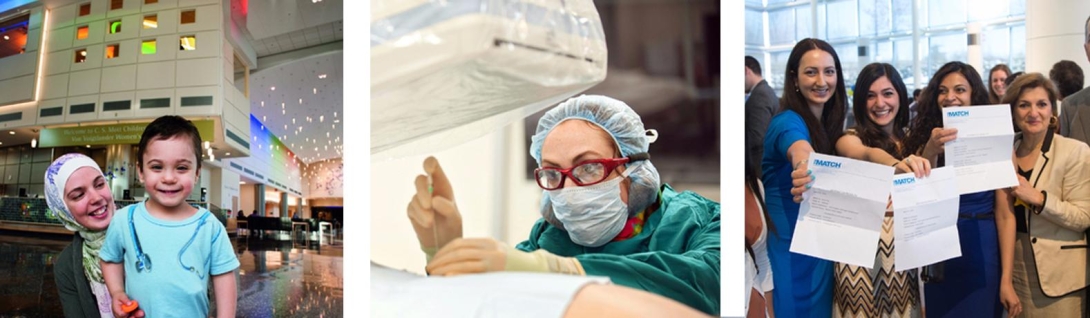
<point>479,255</point>
<point>434,215</point>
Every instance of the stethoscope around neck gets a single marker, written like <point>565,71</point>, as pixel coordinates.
<point>143,261</point>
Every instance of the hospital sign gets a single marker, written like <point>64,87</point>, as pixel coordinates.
<point>117,134</point>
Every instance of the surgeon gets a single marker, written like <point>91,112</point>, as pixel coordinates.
<point>604,212</point>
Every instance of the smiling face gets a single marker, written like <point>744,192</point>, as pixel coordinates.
<point>817,77</point>
<point>168,171</point>
<point>955,91</point>
<point>998,84</point>
<point>1033,111</point>
<point>88,198</point>
<point>883,102</point>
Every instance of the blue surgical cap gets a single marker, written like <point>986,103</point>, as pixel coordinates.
<point>628,133</point>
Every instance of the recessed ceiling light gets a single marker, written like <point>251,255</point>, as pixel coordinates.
<point>11,132</point>
<point>228,153</point>
<point>323,75</point>
<point>273,88</point>
<point>88,146</point>
<point>7,38</point>
<point>242,182</point>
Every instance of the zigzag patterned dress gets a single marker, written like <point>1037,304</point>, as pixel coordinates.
<point>880,291</point>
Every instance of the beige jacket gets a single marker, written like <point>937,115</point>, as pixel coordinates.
<point>1058,233</point>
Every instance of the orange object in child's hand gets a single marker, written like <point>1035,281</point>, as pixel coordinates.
<point>130,307</point>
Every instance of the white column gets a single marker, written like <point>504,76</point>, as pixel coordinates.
<point>917,77</point>
<point>119,168</point>
<point>1054,32</point>
<point>864,52</point>
<point>976,57</point>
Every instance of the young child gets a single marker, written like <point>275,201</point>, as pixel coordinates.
<point>163,251</point>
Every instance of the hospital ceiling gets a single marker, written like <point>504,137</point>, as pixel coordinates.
<point>299,52</point>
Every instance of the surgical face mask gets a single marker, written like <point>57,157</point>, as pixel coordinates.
<point>593,215</point>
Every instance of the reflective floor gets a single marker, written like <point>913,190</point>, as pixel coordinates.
<point>276,278</point>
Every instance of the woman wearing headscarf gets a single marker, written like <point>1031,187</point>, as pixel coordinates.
<point>604,212</point>
<point>78,195</point>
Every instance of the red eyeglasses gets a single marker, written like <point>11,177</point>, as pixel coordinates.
<point>585,173</point>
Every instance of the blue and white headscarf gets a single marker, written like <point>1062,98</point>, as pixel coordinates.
<point>56,176</point>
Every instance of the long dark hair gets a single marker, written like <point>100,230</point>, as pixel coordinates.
<point>823,133</point>
<point>867,130</point>
<point>929,109</point>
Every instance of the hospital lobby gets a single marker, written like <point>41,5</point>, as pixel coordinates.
<point>260,80</point>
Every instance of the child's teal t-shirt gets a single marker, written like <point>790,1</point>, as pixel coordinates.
<point>170,288</point>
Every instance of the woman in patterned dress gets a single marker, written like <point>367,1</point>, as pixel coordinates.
<point>881,115</point>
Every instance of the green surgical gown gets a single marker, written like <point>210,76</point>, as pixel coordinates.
<point>675,256</point>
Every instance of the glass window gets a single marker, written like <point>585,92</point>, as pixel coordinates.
<point>883,52</point>
<point>756,3</point>
<point>821,25</point>
<point>189,16</point>
<point>14,35</point>
<point>151,1</point>
<point>81,32</point>
<point>946,48</point>
<point>802,23</point>
<point>843,24</point>
<point>883,19</point>
<point>849,62</point>
<point>81,55</point>
<point>902,21</point>
<point>85,9</point>
<point>1018,48</point>
<point>995,44</point>
<point>944,12</point>
<point>115,26</point>
<point>116,4</point>
<point>151,21</point>
<point>1018,8</point>
<point>988,9</point>
<point>188,42</point>
<point>902,59</point>
<point>147,47</point>
<point>868,17</point>
<point>780,28</point>
<point>113,50</point>
<point>754,28</point>
<point>777,70</point>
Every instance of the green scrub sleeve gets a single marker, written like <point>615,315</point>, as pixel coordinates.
<point>691,278</point>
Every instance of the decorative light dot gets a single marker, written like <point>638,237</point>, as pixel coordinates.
<point>273,88</point>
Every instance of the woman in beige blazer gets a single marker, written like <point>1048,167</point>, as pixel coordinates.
<point>1042,237</point>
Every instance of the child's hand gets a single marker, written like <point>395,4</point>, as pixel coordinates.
<point>124,307</point>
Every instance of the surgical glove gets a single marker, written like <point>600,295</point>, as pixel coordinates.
<point>479,255</point>
<point>432,211</point>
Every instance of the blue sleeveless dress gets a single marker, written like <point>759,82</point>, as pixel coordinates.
<point>971,282</point>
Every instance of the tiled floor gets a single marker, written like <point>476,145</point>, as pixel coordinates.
<point>276,279</point>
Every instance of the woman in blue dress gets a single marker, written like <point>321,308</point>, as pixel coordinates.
<point>970,284</point>
<point>811,119</point>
